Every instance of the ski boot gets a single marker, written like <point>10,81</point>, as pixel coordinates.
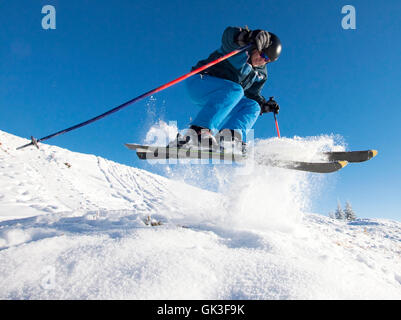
<point>231,141</point>
<point>197,137</point>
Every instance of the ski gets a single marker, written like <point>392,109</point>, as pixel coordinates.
<point>350,156</point>
<point>315,167</point>
<point>157,153</point>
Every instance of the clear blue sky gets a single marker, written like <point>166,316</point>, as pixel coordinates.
<point>103,53</point>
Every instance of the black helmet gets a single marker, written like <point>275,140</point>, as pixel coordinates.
<point>273,51</point>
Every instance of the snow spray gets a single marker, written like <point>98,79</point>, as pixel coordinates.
<point>253,196</point>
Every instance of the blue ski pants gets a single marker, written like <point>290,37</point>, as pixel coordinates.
<point>223,104</point>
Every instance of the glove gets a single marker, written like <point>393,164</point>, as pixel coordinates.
<point>260,38</point>
<point>270,106</point>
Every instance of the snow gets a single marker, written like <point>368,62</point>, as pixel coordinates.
<point>77,226</point>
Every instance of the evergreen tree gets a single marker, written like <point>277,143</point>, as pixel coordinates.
<point>339,214</point>
<point>349,213</point>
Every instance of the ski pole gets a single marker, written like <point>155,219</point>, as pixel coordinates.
<point>275,120</point>
<point>147,94</point>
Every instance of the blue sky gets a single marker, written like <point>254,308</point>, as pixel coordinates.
<point>102,53</point>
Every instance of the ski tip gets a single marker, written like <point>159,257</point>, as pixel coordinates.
<point>131,146</point>
<point>135,146</point>
<point>342,163</point>
<point>374,153</point>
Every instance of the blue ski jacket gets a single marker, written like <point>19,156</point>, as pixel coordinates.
<point>237,68</point>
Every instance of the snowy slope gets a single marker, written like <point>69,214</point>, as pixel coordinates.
<point>75,226</point>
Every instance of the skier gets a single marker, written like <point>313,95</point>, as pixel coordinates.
<point>229,93</point>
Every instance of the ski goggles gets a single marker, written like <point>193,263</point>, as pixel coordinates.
<point>264,56</point>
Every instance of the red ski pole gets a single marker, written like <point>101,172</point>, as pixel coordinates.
<point>275,120</point>
<point>147,94</point>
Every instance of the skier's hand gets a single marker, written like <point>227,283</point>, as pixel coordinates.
<point>270,106</point>
<point>260,38</point>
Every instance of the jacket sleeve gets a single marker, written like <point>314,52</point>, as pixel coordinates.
<point>228,40</point>
<point>229,44</point>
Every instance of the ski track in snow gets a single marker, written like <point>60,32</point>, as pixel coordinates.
<point>80,232</point>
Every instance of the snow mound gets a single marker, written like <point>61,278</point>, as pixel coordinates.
<point>76,226</point>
